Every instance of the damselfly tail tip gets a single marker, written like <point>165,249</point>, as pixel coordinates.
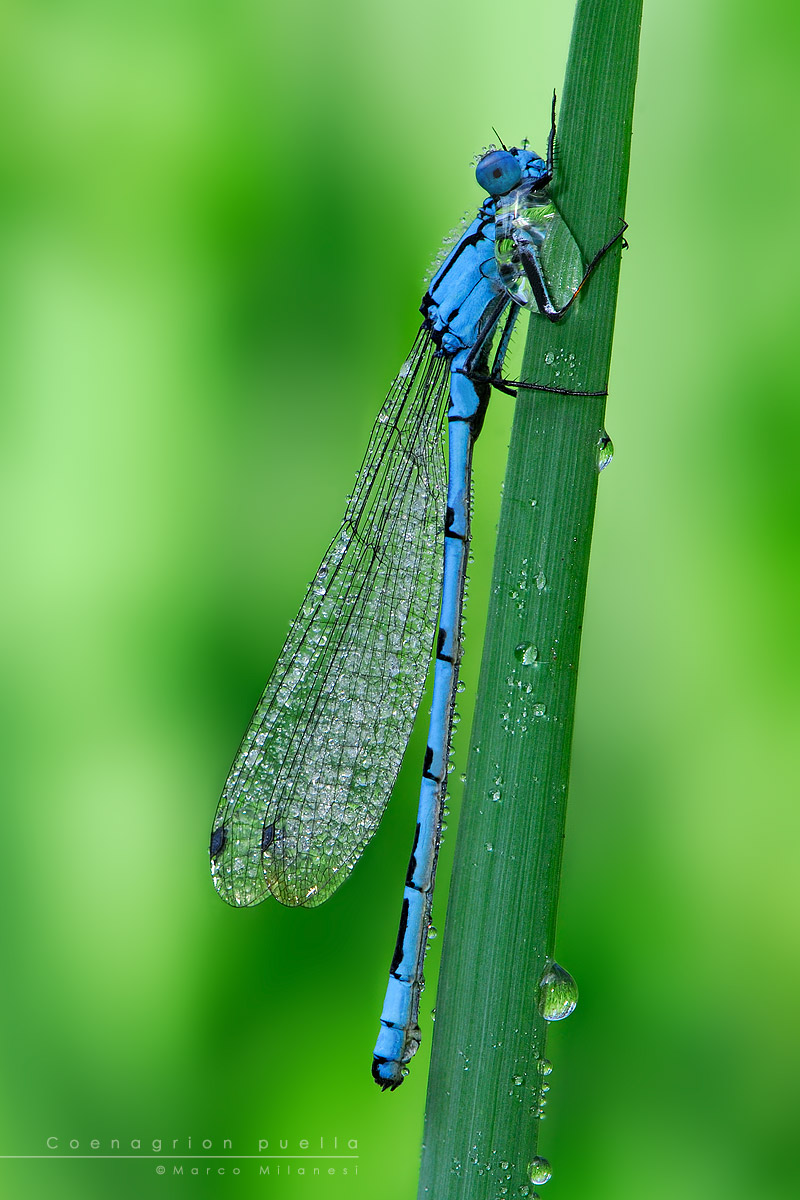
<point>388,1075</point>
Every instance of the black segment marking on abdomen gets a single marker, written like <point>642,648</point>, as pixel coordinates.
<point>397,957</point>
<point>412,862</point>
<point>440,644</point>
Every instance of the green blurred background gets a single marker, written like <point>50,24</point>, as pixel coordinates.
<point>214,221</point>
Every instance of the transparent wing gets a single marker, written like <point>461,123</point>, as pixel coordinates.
<point>530,212</point>
<point>561,260</point>
<point>319,760</point>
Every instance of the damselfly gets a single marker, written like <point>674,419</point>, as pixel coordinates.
<point>320,757</point>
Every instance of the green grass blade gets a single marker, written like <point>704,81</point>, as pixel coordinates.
<point>481,1130</point>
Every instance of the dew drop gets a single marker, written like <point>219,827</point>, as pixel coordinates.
<point>540,579</point>
<point>549,358</point>
<point>526,653</point>
<point>433,932</point>
<point>518,1080</point>
<point>558,994</point>
<point>605,451</point>
<point>539,1170</point>
<point>538,710</point>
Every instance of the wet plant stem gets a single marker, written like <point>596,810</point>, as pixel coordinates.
<point>485,1088</point>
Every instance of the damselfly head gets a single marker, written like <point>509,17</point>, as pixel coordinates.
<point>500,171</point>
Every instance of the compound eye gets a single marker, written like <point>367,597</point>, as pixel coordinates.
<point>498,172</point>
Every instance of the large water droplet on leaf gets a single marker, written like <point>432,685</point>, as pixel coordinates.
<point>558,993</point>
<point>539,1170</point>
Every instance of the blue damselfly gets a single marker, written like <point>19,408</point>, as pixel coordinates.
<point>320,757</point>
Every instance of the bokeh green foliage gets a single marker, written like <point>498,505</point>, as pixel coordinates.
<point>213,224</point>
